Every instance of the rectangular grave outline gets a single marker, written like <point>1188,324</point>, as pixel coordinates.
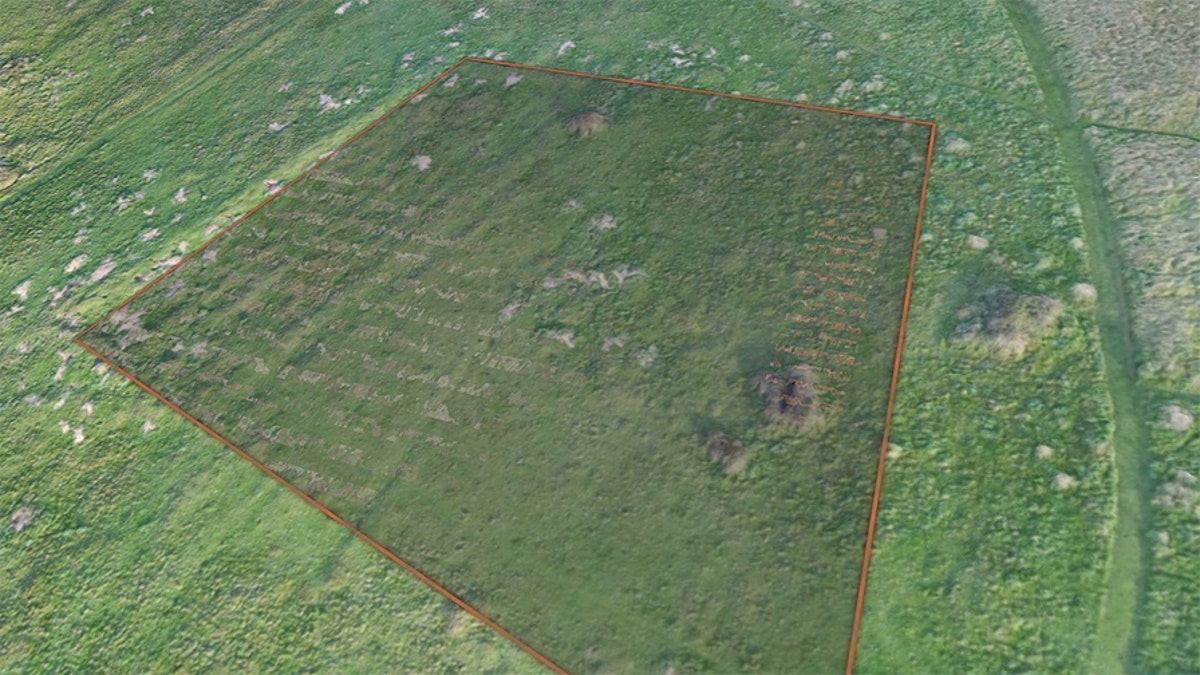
<point>860,594</point>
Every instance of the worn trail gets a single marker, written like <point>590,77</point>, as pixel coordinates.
<point>1128,558</point>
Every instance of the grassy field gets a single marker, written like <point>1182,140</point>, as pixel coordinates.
<point>999,502</point>
<point>501,347</point>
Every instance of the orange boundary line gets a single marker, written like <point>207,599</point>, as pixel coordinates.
<point>330,514</point>
<point>691,90</point>
<point>268,200</point>
<point>860,598</point>
<point>388,553</point>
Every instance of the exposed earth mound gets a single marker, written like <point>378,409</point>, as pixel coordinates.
<point>586,124</point>
<point>790,395</point>
<point>726,451</point>
<point>8,176</point>
<point>1005,322</point>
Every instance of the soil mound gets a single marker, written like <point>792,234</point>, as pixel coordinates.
<point>790,395</point>
<point>586,124</point>
<point>1005,322</point>
<point>726,451</point>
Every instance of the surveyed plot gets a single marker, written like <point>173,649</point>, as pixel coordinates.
<point>607,363</point>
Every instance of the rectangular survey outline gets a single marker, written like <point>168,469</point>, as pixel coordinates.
<point>860,595</point>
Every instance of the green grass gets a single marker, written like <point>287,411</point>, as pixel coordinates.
<point>569,496</point>
<point>963,578</point>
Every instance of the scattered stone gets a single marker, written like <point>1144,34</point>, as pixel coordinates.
<point>1044,452</point>
<point>276,127</point>
<point>567,337</point>
<point>977,242</point>
<point>1177,419</point>
<point>1077,244</point>
<point>22,291</point>
<point>726,451</point>
<point>102,272</point>
<point>604,222</point>
<point>506,314</point>
<point>610,342</point>
<point>271,186</point>
<point>78,431</point>
<point>562,49</point>
<point>327,102</point>
<point>1084,292</point>
<point>647,357</point>
<point>148,426</point>
<point>150,235</point>
<point>1062,481</point>
<point>180,196</point>
<point>75,263</point>
<point>1179,492</point>
<point>955,145</point>
<point>422,162</point>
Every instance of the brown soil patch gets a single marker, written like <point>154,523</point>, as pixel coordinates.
<point>1005,322</point>
<point>586,124</point>
<point>791,396</point>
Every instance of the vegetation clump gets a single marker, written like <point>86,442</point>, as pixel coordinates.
<point>1005,322</point>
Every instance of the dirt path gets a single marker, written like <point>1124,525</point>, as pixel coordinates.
<point>1128,557</point>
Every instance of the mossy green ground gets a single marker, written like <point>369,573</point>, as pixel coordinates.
<point>974,544</point>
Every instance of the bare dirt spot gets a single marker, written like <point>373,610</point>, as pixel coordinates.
<point>726,451</point>
<point>8,177</point>
<point>1005,322</point>
<point>790,395</point>
<point>1177,419</point>
<point>21,518</point>
<point>586,124</point>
